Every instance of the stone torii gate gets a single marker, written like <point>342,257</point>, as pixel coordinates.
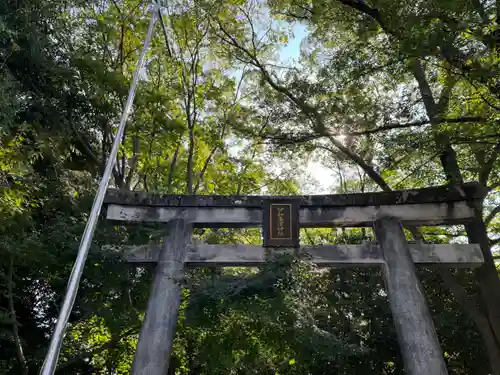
<point>281,219</point>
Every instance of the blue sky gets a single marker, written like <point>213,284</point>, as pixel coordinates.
<point>291,51</point>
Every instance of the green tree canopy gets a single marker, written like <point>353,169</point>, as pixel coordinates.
<point>384,94</point>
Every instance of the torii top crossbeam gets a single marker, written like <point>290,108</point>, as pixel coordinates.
<point>447,205</point>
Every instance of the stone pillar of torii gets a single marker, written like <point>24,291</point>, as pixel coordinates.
<point>281,218</point>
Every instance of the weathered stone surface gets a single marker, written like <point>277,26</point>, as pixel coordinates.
<point>448,193</point>
<point>413,321</point>
<point>157,333</point>
<point>220,216</point>
<point>364,255</point>
<point>349,216</point>
<point>410,214</point>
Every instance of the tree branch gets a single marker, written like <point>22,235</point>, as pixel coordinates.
<point>390,126</point>
<point>308,110</point>
<point>492,215</point>
<point>374,13</point>
<point>116,6</point>
<point>484,175</point>
<point>12,313</point>
<point>165,36</point>
<point>209,158</point>
<point>452,55</point>
<point>172,166</point>
<point>133,162</point>
<point>425,90</point>
<point>494,242</point>
<point>293,15</point>
<point>447,154</point>
<point>444,98</point>
<point>86,148</point>
<point>369,170</point>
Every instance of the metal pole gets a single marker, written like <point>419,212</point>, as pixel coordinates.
<point>50,362</point>
<point>413,321</point>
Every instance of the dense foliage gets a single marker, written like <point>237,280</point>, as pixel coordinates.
<point>384,94</point>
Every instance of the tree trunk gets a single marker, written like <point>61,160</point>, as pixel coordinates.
<point>487,274</point>
<point>12,315</point>
<point>189,172</point>
<point>482,322</point>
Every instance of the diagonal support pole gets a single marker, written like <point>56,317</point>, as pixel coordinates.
<point>50,363</point>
